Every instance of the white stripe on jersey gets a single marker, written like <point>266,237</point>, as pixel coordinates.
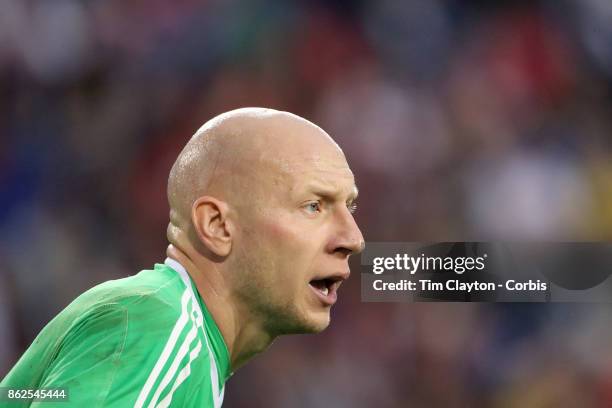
<point>214,377</point>
<point>178,328</point>
<point>197,322</point>
<point>182,352</point>
<point>182,375</point>
<point>217,390</point>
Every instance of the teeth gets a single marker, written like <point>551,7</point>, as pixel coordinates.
<point>325,291</point>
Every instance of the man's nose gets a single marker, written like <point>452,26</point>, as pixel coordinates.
<point>349,239</point>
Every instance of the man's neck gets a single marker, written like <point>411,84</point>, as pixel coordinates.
<point>244,336</point>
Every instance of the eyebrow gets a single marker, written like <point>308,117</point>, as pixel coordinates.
<point>330,192</point>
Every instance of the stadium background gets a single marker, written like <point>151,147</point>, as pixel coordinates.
<point>462,120</point>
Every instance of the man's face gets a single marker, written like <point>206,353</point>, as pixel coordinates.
<point>295,236</point>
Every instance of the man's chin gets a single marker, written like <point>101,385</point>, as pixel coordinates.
<point>317,322</point>
<point>310,324</point>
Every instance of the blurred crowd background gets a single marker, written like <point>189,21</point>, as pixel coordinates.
<point>462,120</point>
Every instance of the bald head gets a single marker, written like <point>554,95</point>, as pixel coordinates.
<point>230,153</point>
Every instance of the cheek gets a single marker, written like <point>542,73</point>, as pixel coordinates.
<point>288,236</point>
<point>293,248</point>
<point>278,231</point>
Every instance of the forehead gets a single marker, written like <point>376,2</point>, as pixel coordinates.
<point>313,170</point>
<point>293,153</point>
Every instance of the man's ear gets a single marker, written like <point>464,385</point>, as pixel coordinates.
<point>209,217</point>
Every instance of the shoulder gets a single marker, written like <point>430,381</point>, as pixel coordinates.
<point>159,289</point>
<point>131,337</point>
<point>129,323</point>
<point>150,300</point>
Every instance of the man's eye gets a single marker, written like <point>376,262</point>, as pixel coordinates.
<point>352,207</point>
<point>313,207</point>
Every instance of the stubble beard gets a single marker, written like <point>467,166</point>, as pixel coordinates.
<point>278,312</point>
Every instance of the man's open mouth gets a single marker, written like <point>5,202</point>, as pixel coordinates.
<point>322,285</point>
<point>326,289</point>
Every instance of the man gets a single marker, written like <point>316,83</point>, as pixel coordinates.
<point>260,232</point>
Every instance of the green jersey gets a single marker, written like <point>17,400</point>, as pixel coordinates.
<point>143,341</point>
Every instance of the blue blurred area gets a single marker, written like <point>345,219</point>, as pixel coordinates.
<point>462,120</point>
